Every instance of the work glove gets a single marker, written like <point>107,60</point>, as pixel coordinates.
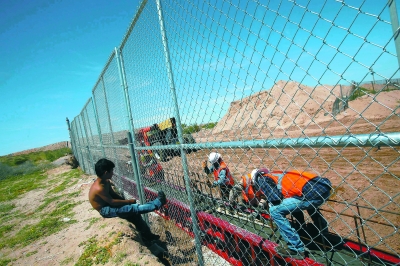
<point>204,164</point>
<point>254,215</point>
<point>262,204</point>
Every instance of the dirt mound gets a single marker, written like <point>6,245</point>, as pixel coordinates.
<point>291,106</point>
<point>50,147</point>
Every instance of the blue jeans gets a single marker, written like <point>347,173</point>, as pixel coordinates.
<point>132,213</point>
<point>288,206</point>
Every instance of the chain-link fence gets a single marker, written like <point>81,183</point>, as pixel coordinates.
<point>290,85</point>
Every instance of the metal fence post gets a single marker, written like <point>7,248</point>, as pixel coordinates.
<point>96,117</point>
<point>395,26</point>
<point>81,145</point>
<point>120,187</point>
<point>87,142</point>
<point>135,162</point>
<point>180,134</point>
<point>78,154</point>
<point>70,136</point>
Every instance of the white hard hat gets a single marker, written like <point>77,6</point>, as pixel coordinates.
<point>213,157</point>
<point>253,173</point>
<point>261,171</point>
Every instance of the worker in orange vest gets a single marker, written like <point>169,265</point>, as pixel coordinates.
<point>289,192</point>
<point>222,175</point>
<point>250,195</point>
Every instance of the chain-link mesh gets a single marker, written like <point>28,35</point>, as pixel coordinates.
<point>309,86</point>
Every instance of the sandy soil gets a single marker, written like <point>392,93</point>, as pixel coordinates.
<point>63,248</point>
<point>67,246</point>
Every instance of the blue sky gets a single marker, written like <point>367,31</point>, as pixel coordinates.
<point>224,51</point>
<point>52,53</point>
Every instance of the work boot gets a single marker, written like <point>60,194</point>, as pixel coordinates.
<point>149,237</point>
<point>289,253</point>
<point>162,198</point>
<point>157,251</point>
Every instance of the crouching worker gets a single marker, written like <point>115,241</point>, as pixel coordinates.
<point>222,176</point>
<point>250,196</point>
<point>290,192</point>
<point>109,204</point>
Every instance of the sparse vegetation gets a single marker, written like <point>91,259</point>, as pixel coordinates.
<point>46,202</point>
<point>119,257</point>
<point>4,261</point>
<point>29,163</point>
<point>189,129</point>
<point>14,186</point>
<point>92,221</point>
<point>95,253</point>
<point>360,91</point>
<point>23,169</point>
<point>4,208</point>
<point>67,260</point>
<point>5,229</point>
<point>131,264</point>
<point>29,222</point>
<point>49,224</point>
<point>30,253</point>
<point>34,157</point>
<point>75,173</point>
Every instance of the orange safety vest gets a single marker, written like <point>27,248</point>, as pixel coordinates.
<point>291,183</point>
<point>248,192</point>
<point>223,166</point>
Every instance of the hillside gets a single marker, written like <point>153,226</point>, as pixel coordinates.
<point>290,109</point>
<point>50,147</point>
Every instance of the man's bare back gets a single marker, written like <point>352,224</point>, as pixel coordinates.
<point>97,188</point>
<point>101,194</point>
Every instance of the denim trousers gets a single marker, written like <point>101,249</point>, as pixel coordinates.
<point>132,213</point>
<point>291,205</point>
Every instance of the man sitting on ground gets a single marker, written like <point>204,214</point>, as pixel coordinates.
<point>109,204</point>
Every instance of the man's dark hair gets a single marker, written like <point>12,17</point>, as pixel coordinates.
<point>102,166</point>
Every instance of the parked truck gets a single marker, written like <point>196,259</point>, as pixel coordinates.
<point>164,133</point>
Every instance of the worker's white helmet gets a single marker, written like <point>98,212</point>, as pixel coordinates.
<point>213,157</point>
<point>253,173</point>
<point>261,171</point>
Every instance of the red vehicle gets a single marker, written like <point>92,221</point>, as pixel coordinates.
<point>164,133</point>
<point>150,169</point>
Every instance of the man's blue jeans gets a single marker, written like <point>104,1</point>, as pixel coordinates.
<point>132,213</point>
<point>288,206</point>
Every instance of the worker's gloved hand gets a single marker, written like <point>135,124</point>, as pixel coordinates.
<point>204,164</point>
<point>233,203</point>
<point>254,215</point>
<point>262,204</point>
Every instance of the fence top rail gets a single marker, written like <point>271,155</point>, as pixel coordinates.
<point>361,140</point>
<point>110,58</point>
<point>133,23</point>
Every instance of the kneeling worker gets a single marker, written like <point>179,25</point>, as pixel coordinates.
<point>250,195</point>
<point>222,175</point>
<point>289,192</point>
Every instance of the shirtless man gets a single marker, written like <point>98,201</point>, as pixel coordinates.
<point>109,204</point>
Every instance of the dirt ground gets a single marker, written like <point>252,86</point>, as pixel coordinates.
<point>365,179</point>
<point>368,194</point>
<point>67,246</point>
